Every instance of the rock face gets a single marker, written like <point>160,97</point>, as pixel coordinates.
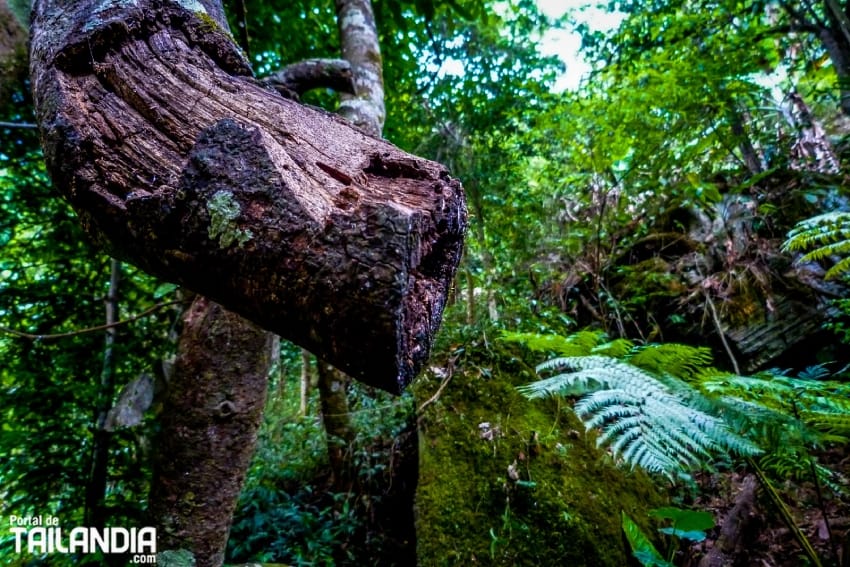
<point>763,303</point>
<point>509,481</point>
<point>769,335</point>
<point>718,277</point>
<point>177,160</point>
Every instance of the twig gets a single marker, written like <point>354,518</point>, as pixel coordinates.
<point>720,333</point>
<point>141,315</point>
<point>719,326</point>
<point>28,125</point>
<point>785,514</point>
<point>450,370</point>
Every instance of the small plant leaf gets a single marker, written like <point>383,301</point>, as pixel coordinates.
<point>692,535</point>
<point>164,289</point>
<point>642,548</point>
<point>684,520</point>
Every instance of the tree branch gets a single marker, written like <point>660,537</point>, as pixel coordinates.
<point>840,17</point>
<point>27,125</point>
<point>450,370</point>
<point>800,18</point>
<point>310,74</point>
<point>87,330</point>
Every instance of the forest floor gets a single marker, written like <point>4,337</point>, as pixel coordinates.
<point>765,540</point>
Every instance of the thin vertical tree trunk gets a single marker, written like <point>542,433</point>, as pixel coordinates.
<point>359,39</point>
<point>839,54</point>
<point>305,382</point>
<point>748,152</point>
<point>336,417</point>
<point>96,487</point>
<point>13,50</point>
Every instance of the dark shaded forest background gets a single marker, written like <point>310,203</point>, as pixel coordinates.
<point>640,235</point>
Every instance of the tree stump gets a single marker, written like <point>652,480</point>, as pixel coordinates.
<point>178,161</point>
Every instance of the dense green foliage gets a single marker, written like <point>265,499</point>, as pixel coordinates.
<point>665,409</point>
<point>52,281</point>
<point>638,234</point>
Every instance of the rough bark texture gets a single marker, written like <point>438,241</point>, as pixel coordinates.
<point>180,162</point>
<point>208,434</point>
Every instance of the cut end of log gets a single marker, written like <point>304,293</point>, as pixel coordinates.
<point>289,216</point>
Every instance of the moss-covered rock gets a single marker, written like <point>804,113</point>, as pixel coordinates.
<point>509,481</point>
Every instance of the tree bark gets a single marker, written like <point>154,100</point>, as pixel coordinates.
<point>180,162</point>
<point>359,38</point>
<point>13,50</point>
<point>210,418</point>
<point>838,49</point>
<point>303,76</point>
<point>337,421</point>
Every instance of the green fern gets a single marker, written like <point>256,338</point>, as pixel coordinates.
<point>678,360</point>
<point>657,406</point>
<point>825,236</point>
<point>682,361</point>
<point>822,405</point>
<point>644,418</point>
<point>576,344</point>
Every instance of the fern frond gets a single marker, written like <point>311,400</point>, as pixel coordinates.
<point>665,409</point>
<point>841,248</point>
<point>825,236</point>
<point>839,269</point>
<point>617,348</point>
<point>682,361</point>
<point>814,372</point>
<point>576,344</point>
<point>818,230</point>
<point>837,425</point>
<point>643,419</point>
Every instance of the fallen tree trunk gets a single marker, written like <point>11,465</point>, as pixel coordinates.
<point>179,161</point>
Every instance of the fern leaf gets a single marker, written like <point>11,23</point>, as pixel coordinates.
<point>644,419</point>
<point>678,360</point>
<point>839,269</point>
<point>617,348</point>
<point>824,236</point>
<point>577,344</point>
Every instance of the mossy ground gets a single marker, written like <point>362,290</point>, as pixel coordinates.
<point>563,506</point>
